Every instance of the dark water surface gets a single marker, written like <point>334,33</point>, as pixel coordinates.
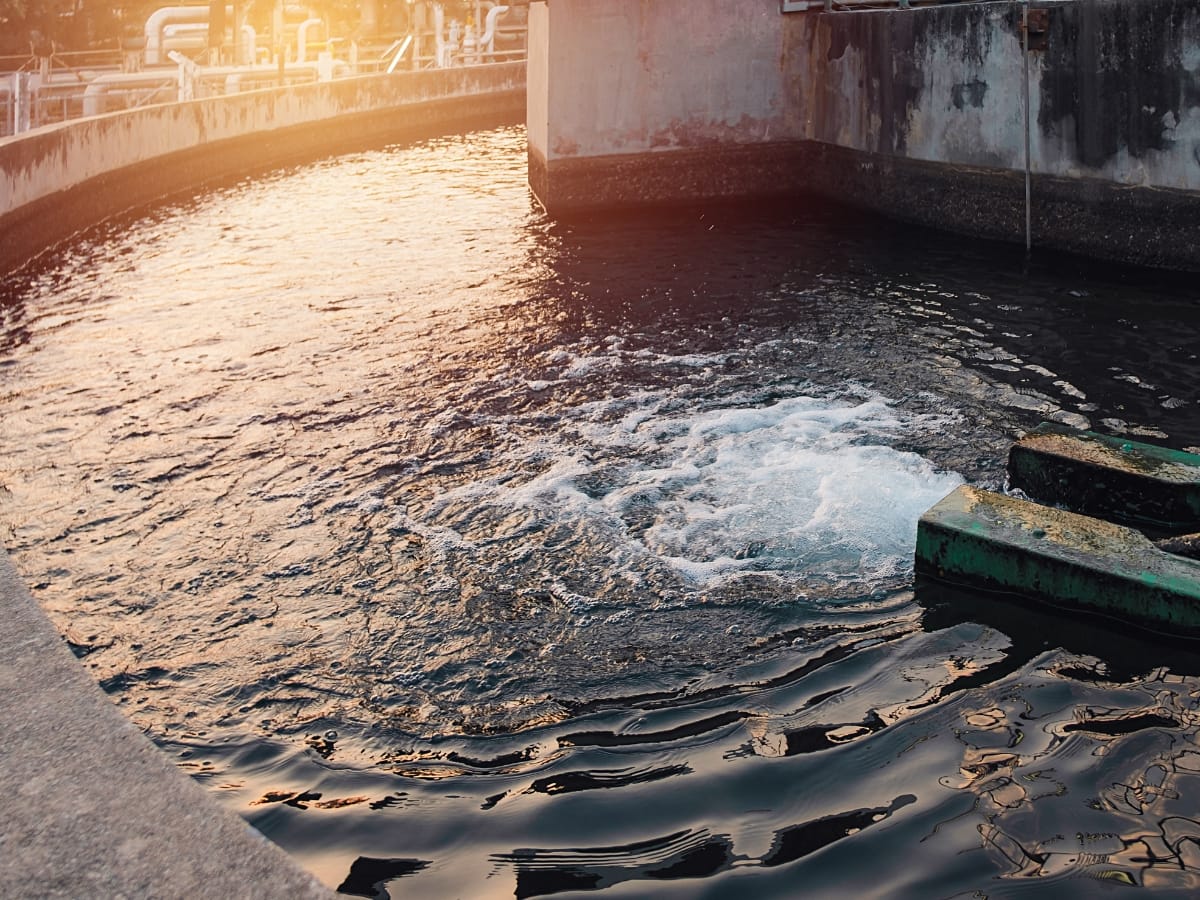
<point>469,554</point>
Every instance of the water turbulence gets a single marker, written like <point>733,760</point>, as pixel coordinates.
<point>470,554</point>
<point>638,544</point>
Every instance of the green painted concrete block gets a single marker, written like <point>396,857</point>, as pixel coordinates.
<point>982,539</point>
<point>1098,475</point>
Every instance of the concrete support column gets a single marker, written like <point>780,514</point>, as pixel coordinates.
<point>633,102</point>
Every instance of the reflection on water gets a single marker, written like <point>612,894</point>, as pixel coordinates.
<point>469,554</point>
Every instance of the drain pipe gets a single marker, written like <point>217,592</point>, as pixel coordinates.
<point>302,39</point>
<point>1025,81</point>
<point>159,20</point>
<point>487,43</point>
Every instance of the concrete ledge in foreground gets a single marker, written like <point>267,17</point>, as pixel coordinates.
<point>91,807</point>
<point>976,538</point>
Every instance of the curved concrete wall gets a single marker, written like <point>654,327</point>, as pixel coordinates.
<point>58,179</point>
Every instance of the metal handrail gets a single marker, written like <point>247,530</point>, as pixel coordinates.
<point>63,97</point>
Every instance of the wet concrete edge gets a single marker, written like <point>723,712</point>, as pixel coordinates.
<point>1134,225</point>
<point>91,807</point>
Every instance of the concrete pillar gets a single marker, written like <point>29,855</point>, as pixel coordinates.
<point>674,100</point>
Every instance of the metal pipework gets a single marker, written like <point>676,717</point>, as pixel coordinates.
<point>487,43</point>
<point>234,77</point>
<point>160,18</point>
<point>302,38</point>
<point>94,93</point>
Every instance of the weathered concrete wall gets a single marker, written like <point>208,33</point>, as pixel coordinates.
<point>1118,92</point>
<point>697,87</point>
<point>701,72</point>
<point>1115,93</point>
<point>933,131</point>
<point>918,113</point>
<point>58,179</point>
<point>940,84</point>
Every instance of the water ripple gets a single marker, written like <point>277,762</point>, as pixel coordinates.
<point>468,553</point>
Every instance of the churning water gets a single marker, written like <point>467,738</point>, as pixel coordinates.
<point>469,554</point>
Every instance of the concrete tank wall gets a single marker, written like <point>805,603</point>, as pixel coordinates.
<point>938,84</point>
<point>707,73</point>
<point>918,113</point>
<point>58,179</point>
<point>697,84</point>
<point>934,131</point>
<point>1114,94</point>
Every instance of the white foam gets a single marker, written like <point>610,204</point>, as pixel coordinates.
<point>802,485</point>
<point>805,487</point>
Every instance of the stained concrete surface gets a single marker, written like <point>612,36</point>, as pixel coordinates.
<point>90,807</point>
<point>981,539</point>
<point>919,114</point>
<point>1113,478</point>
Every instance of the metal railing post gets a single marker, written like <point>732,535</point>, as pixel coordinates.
<point>22,114</point>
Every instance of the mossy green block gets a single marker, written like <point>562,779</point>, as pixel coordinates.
<point>982,539</point>
<point>1116,479</point>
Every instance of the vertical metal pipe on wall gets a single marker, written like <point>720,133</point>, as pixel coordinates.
<point>21,103</point>
<point>1025,82</point>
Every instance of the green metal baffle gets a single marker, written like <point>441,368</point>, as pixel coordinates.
<point>982,539</point>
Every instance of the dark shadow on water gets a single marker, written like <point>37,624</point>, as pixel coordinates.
<point>802,840</point>
<point>681,855</point>
<point>1127,651</point>
<point>369,877</point>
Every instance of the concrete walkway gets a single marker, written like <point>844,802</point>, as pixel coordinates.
<point>90,807</point>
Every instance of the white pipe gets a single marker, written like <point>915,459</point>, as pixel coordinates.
<point>442,52</point>
<point>93,94</point>
<point>302,38</point>
<point>403,48</point>
<point>249,45</point>
<point>182,29</point>
<point>487,43</point>
<point>187,76</point>
<point>270,72</point>
<point>453,41</point>
<point>187,36</point>
<point>18,103</point>
<point>159,19</point>
<point>470,47</point>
